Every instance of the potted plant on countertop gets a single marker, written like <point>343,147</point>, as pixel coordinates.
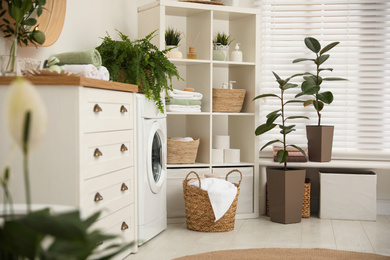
<point>221,44</point>
<point>320,137</point>
<point>18,20</point>
<point>172,40</point>
<point>141,63</point>
<point>285,185</point>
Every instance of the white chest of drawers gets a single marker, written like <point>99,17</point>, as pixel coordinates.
<point>87,158</point>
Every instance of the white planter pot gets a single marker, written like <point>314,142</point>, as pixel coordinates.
<point>224,49</point>
<point>174,53</point>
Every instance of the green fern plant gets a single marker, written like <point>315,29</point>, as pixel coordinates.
<point>222,38</point>
<point>139,62</point>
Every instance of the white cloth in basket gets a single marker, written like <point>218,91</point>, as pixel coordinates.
<point>221,194</point>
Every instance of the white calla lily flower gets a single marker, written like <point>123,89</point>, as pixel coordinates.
<point>23,97</point>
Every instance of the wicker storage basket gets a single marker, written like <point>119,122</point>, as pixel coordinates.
<point>199,212</point>
<point>228,100</point>
<point>306,200</point>
<point>182,151</point>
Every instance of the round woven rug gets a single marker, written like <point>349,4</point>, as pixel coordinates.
<point>283,253</point>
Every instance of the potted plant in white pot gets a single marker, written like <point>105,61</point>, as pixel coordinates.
<point>221,44</point>
<point>320,137</point>
<point>172,40</point>
<point>285,185</point>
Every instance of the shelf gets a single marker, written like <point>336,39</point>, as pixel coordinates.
<point>241,164</point>
<point>189,61</point>
<point>231,64</point>
<point>354,164</point>
<point>232,114</point>
<point>189,114</point>
<point>188,165</point>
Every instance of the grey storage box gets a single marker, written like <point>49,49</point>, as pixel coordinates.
<point>348,195</point>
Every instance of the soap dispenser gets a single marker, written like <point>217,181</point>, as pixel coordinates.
<point>231,84</point>
<point>236,55</point>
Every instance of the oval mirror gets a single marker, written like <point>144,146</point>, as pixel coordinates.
<point>52,20</point>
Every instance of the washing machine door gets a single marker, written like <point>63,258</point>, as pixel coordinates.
<point>156,158</point>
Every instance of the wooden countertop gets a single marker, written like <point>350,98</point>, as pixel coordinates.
<point>74,81</point>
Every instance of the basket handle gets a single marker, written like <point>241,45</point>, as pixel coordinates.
<point>197,176</point>
<point>235,170</point>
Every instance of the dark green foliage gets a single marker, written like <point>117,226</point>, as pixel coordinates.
<point>222,38</point>
<point>312,82</point>
<point>24,22</point>
<point>172,36</point>
<point>139,62</point>
<point>285,129</point>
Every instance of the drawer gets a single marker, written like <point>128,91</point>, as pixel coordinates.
<point>106,110</point>
<point>120,224</point>
<point>106,152</point>
<point>108,193</point>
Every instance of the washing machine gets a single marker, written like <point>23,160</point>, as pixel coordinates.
<point>152,169</point>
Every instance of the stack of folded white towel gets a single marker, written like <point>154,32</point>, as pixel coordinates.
<point>183,101</point>
<point>88,71</point>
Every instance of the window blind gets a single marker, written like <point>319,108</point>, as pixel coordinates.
<point>360,111</point>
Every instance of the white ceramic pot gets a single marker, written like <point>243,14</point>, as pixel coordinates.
<point>224,49</point>
<point>174,53</point>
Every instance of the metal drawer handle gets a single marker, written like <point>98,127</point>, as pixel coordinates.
<point>97,153</point>
<point>97,108</point>
<point>98,197</point>
<point>123,148</point>
<point>123,109</point>
<point>124,226</point>
<point>124,187</point>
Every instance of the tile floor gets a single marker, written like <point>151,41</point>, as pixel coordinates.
<point>363,236</point>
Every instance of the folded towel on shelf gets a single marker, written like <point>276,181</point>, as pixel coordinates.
<point>221,193</point>
<point>184,139</point>
<point>90,56</point>
<point>104,74</point>
<point>181,94</point>
<point>88,70</point>
<point>184,102</point>
<point>180,108</point>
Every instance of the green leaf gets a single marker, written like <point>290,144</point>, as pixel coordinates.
<point>303,59</point>
<point>273,112</point>
<point>264,128</point>
<point>326,97</point>
<point>322,59</point>
<point>287,127</point>
<point>29,21</point>
<point>299,149</point>
<point>312,44</point>
<point>269,143</point>
<point>266,95</point>
<point>309,89</point>
<point>282,156</point>
<point>328,47</point>
<point>289,85</point>
<point>287,131</point>
<point>333,79</point>
<point>272,118</point>
<point>295,101</point>
<point>299,94</point>
<point>16,13</point>
<point>276,76</point>
<point>313,80</point>
<point>296,117</point>
<point>318,105</point>
<point>330,69</point>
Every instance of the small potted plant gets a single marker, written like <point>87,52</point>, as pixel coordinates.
<point>285,205</point>
<point>221,44</point>
<point>141,63</point>
<point>18,20</point>
<point>320,137</point>
<point>172,40</point>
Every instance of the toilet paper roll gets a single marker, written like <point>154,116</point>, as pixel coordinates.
<point>218,155</point>
<point>221,142</point>
<point>231,155</point>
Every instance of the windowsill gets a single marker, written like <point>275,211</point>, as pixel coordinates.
<point>332,164</point>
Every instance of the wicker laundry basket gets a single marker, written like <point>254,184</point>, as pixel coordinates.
<point>228,100</point>
<point>306,200</point>
<point>199,212</point>
<point>182,151</point>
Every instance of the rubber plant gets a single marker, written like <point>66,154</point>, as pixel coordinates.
<point>280,113</point>
<point>141,63</point>
<point>18,20</point>
<point>312,82</point>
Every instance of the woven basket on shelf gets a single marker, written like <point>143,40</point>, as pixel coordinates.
<point>228,100</point>
<point>182,151</point>
<point>306,200</point>
<point>199,212</point>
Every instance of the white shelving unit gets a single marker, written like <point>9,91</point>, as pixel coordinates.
<point>204,74</point>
